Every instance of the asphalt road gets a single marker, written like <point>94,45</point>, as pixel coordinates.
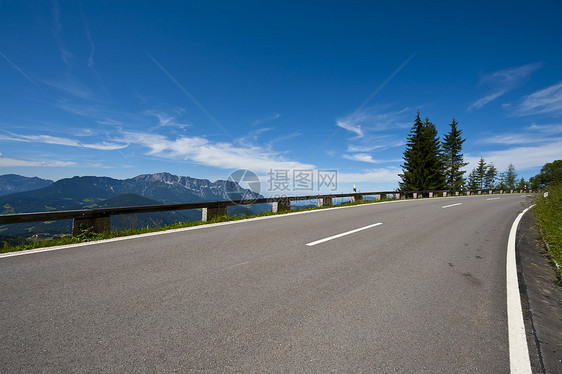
<point>424,292</point>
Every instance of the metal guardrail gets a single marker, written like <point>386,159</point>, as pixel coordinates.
<point>100,219</point>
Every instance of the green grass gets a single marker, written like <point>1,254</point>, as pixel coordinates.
<point>548,214</point>
<point>87,236</point>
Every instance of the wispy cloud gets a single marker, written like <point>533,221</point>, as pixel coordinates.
<point>267,119</point>
<point>524,138</point>
<point>91,63</point>
<point>387,175</point>
<point>503,81</point>
<point>65,54</point>
<point>374,120</point>
<point>549,129</point>
<point>547,100</point>
<point>511,75</point>
<point>485,100</point>
<point>363,157</point>
<point>71,88</point>
<point>16,67</point>
<point>48,139</point>
<point>523,157</point>
<point>351,124</point>
<point>12,162</point>
<point>215,154</point>
<point>166,120</point>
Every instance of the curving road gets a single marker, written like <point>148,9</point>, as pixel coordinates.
<point>415,286</point>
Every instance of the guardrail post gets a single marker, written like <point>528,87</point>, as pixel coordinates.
<point>431,194</point>
<point>281,206</point>
<point>210,213</point>
<point>325,201</point>
<point>457,193</point>
<point>95,224</point>
<point>378,196</point>
<point>397,196</point>
<point>479,192</point>
<point>510,191</point>
<point>415,195</point>
<point>357,197</point>
<point>467,193</point>
<point>444,193</point>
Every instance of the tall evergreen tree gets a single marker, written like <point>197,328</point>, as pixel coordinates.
<point>480,173</point>
<point>472,183</point>
<point>510,177</point>
<point>413,163</point>
<point>453,157</point>
<point>490,176</point>
<point>434,167</point>
<point>423,162</point>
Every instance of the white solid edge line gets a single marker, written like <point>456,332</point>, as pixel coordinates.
<point>343,234</point>
<point>518,350</point>
<point>493,198</point>
<point>448,206</point>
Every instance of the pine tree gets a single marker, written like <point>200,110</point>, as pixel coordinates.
<point>454,162</point>
<point>510,177</point>
<point>472,183</point>
<point>434,167</point>
<point>480,173</point>
<point>413,163</point>
<point>490,176</point>
<point>423,162</point>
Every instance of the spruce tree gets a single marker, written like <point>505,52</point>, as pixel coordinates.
<point>510,177</point>
<point>454,162</point>
<point>413,162</point>
<point>480,173</point>
<point>423,162</point>
<point>490,176</point>
<point>472,180</point>
<point>433,171</point>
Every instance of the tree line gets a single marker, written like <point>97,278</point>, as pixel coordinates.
<point>431,164</point>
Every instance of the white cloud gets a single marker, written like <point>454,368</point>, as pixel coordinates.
<point>387,175</point>
<point>521,157</point>
<point>48,139</point>
<point>363,157</point>
<point>367,148</point>
<point>374,119</point>
<point>215,154</point>
<point>547,100</point>
<point>267,119</point>
<point>351,125</point>
<point>516,139</point>
<point>549,129</point>
<point>504,80</point>
<point>511,75</point>
<point>11,162</point>
<point>485,100</point>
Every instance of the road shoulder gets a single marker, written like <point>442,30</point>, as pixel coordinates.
<point>541,299</point>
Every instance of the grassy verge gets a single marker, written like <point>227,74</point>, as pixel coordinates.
<point>87,236</point>
<point>548,213</point>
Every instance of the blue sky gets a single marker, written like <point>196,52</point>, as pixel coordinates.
<point>201,88</point>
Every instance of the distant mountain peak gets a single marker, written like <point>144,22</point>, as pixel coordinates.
<point>12,183</point>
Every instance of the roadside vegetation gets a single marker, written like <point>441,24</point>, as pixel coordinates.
<point>548,215</point>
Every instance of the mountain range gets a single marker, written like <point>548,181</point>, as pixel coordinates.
<point>98,192</point>
<point>11,183</point>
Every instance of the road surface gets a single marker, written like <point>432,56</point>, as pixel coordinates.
<point>415,286</point>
